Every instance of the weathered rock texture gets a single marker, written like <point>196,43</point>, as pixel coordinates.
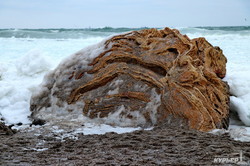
<point>147,76</point>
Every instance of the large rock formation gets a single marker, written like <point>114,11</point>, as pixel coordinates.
<point>140,78</point>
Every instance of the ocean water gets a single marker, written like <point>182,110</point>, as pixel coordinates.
<point>26,55</point>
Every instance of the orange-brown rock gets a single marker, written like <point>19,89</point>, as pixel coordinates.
<point>144,76</point>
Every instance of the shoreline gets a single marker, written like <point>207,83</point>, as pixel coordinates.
<point>162,145</point>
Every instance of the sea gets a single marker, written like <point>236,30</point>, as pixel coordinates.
<point>26,55</point>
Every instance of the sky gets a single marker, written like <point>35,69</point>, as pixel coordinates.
<point>123,13</point>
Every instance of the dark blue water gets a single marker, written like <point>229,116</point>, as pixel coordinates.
<point>102,32</point>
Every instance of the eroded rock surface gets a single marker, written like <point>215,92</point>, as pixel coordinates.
<point>140,78</point>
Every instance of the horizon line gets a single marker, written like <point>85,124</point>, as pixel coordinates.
<point>145,27</point>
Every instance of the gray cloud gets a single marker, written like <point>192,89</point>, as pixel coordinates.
<point>125,13</point>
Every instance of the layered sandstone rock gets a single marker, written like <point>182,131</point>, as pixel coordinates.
<point>139,78</point>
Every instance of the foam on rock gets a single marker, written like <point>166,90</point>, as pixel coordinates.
<point>140,78</point>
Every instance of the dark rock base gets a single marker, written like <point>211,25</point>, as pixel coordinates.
<point>6,130</point>
<point>161,146</point>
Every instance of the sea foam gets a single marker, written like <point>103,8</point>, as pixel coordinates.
<point>19,78</point>
<point>25,61</point>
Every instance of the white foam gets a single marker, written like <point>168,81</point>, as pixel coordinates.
<point>240,133</point>
<point>18,82</point>
<point>88,128</point>
<point>237,104</point>
<point>33,63</point>
<point>92,128</point>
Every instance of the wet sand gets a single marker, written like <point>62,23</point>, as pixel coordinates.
<point>164,145</point>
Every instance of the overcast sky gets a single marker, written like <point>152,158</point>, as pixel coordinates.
<point>122,13</point>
